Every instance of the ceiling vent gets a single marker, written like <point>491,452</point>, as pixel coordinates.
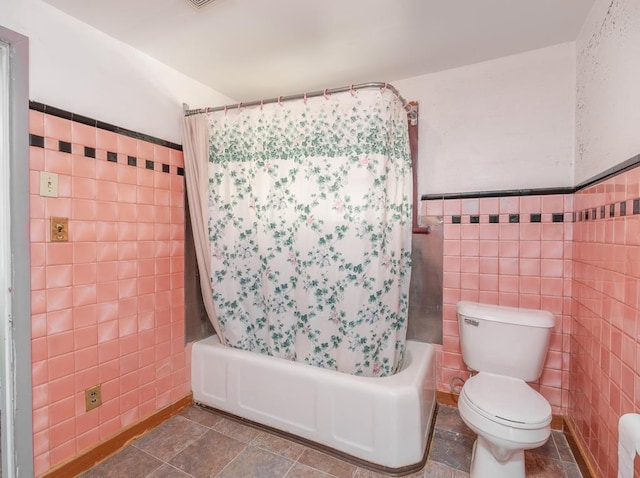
<point>200,3</point>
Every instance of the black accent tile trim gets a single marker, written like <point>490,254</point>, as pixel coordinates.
<point>132,161</point>
<point>89,152</point>
<point>504,193</point>
<point>557,217</point>
<point>602,212</point>
<point>623,208</point>
<point>64,146</point>
<point>636,206</point>
<point>165,168</point>
<point>37,141</point>
<point>35,106</point>
<point>514,218</point>
<point>474,219</point>
<point>494,218</point>
<point>60,113</point>
<point>111,156</point>
<point>609,173</point>
<point>573,217</point>
<point>52,110</point>
<point>612,210</point>
<point>180,171</point>
<point>586,214</point>
<point>594,214</point>
<point>535,218</point>
<point>148,164</point>
<point>455,219</point>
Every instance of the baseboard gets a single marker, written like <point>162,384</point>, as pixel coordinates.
<point>580,453</point>
<point>451,400</point>
<point>105,449</point>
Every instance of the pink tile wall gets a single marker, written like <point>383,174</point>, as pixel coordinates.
<point>605,344</point>
<point>107,306</point>
<point>525,264</point>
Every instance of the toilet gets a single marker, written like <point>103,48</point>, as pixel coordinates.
<point>507,347</point>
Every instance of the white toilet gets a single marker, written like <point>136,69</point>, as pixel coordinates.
<point>507,347</point>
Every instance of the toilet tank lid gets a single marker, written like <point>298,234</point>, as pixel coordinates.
<point>511,315</point>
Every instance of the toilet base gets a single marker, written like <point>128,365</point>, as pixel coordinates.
<point>484,464</point>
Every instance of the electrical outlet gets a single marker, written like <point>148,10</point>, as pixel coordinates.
<point>59,229</point>
<point>93,397</point>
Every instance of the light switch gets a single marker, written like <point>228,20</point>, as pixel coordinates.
<point>48,184</point>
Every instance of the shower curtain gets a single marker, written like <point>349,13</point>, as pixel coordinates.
<point>310,229</point>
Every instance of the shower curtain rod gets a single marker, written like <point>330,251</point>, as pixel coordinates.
<point>411,109</point>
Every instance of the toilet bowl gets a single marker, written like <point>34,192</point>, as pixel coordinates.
<point>507,347</point>
<point>509,417</point>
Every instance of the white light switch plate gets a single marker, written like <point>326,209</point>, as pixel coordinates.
<point>48,184</point>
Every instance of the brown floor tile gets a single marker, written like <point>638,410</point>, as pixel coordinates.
<point>548,449</point>
<point>202,416</point>
<point>277,445</point>
<point>538,466</point>
<point>236,430</point>
<point>326,463</point>
<point>363,473</point>
<point>130,461</point>
<point>452,449</point>
<point>303,471</point>
<point>564,450</point>
<point>208,455</point>
<point>171,437</point>
<point>449,419</point>
<point>257,463</point>
<point>168,471</point>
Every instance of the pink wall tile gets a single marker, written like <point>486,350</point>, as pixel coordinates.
<point>94,300</point>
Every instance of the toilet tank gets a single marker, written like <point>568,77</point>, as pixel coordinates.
<point>504,340</point>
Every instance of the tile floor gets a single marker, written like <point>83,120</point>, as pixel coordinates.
<point>200,443</point>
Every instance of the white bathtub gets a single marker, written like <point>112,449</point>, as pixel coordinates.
<point>385,421</point>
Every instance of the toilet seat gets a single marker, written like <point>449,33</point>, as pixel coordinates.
<point>507,401</point>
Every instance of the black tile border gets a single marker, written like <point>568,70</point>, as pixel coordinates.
<point>90,152</point>
<point>37,141</point>
<point>60,113</point>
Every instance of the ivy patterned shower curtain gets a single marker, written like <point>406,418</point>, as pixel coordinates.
<point>310,229</point>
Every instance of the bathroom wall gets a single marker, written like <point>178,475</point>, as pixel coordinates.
<point>608,97</point>
<point>76,67</point>
<point>605,341</point>
<point>605,347</point>
<point>108,306</point>
<point>513,251</point>
<point>501,124</point>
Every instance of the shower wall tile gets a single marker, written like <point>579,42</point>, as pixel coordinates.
<point>494,253</point>
<point>107,306</point>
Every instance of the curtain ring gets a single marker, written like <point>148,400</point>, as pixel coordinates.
<point>239,106</point>
<point>225,109</point>
<point>280,100</point>
<point>261,104</point>
<point>324,93</point>
<point>353,93</point>
<point>305,98</point>
<point>384,88</point>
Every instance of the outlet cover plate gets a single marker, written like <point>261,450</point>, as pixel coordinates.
<point>93,397</point>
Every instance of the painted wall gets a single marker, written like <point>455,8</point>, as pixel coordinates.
<point>77,68</point>
<point>500,124</point>
<point>608,97</point>
<point>107,306</point>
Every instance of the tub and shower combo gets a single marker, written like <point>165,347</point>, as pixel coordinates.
<point>302,216</point>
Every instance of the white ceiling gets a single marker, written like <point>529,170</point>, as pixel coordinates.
<point>251,49</point>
